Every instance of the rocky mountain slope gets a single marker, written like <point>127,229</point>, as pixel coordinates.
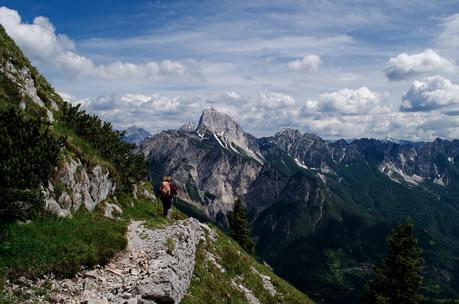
<point>80,180</point>
<point>213,164</point>
<point>325,205</point>
<point>71,247</point>
<point>179,263</point>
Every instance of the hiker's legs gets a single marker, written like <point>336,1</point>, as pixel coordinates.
<point>169,210</point>
<point>167,204</point>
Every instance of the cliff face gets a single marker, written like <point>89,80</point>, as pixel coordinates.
<point>75,185</point>
<point>205,173</point>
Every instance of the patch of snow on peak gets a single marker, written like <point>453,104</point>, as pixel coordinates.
<point>395,174</point>
<point>439,181</point>
<point>219,141</point>
<point>300,164</point>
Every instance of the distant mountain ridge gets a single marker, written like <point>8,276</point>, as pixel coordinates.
<point>135,135</point>
<point>298,188</point>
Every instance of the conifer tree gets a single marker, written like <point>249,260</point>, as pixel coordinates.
<point>239,227</point>
<point>398,279</point>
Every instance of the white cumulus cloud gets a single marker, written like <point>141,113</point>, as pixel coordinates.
<point>429,94</point>
<point>349,102</point>
<point>40,42</point>
<point>309,63</point>
<point>275,100</point>
<point>405,66</point>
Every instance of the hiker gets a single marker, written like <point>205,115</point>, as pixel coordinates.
<point>167,191</point>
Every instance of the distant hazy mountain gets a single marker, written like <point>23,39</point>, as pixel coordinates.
<point>319,210</point>
<point>135,135</point>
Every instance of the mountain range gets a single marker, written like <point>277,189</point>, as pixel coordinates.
<point>319,210</point>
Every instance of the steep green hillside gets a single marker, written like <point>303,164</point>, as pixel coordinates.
<point>220,261</point>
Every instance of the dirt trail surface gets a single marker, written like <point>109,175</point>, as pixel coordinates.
<point>156,267</point>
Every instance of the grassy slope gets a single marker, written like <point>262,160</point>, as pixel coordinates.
<point>62,245</point>
<point>211,285</point>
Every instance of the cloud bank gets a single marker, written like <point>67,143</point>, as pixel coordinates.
<point>366,113</point>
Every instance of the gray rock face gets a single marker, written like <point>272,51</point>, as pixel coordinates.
<point>110,209</point>
<point>156,267</point>
<point>310,150</point>
<point>78,185</point>
<point>23,79</point>
<point>203,171</point>
<point>228,134</point>
<point>188,127</point>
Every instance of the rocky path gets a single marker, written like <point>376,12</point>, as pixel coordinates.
<point>156,267</point>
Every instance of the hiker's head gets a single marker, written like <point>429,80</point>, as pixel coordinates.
<point>167,178</point>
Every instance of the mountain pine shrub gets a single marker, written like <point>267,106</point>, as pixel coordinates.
<point>398,279</point>
<point>27,153</point>
<point>239,227</point>
<point>130,167</point>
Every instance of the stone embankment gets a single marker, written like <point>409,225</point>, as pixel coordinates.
<point>156,267</point>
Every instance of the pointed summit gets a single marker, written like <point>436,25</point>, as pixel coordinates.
<point>219,123</point>
<point>228,133</point>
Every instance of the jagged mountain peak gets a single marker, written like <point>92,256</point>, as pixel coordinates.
<point>228,133</point>
<point>296,135</point>
<point>218,122</point>
<point>289,132</point>
<point>137,129</point>
<point>187,127</point>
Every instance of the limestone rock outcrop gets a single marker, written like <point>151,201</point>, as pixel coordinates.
<point>77,185</point>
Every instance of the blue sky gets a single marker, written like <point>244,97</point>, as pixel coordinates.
<point>336,68</point>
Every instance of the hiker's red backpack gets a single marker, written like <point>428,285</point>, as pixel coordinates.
<point>165,189</point>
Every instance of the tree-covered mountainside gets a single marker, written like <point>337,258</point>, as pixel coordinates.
<point>327,206</point>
